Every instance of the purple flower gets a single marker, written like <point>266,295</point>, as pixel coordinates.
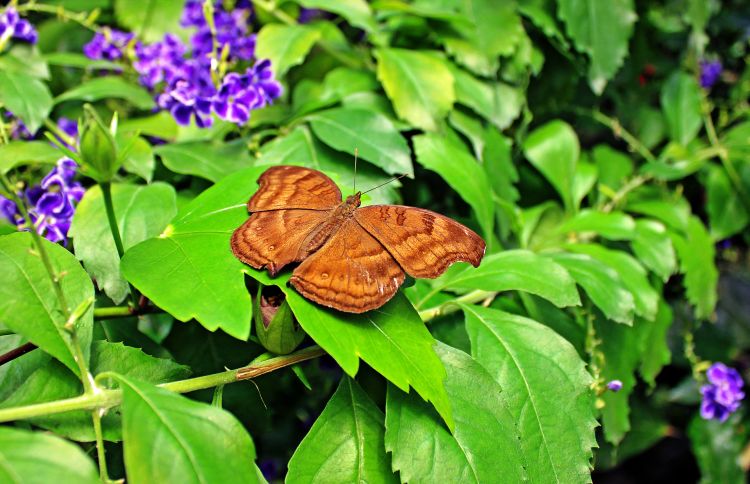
<point>70,128</point>
<point>240,94</point>
<point>185,101</point>
<point>9,210</point>
<point>615,385</point>
<point>160,62</point>
<point>108,44</point>
<point>18,129</point>
<point>13,26</point>
<point>192,14</point>
<point>231,30</point>
<point>710,73</point>
<point>723,394</point>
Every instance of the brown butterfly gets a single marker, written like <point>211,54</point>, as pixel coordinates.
<point>352,258</point>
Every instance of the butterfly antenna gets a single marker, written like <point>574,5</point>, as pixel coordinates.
<point>356,155</point>
<point>386,183</point>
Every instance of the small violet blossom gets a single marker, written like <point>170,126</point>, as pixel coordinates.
<point>231,29</point>
<point>240,94</point>
<point>51,203</point>
<point>614,385</point>
<point>161,61</point>
<point>18,129</point>
<point>710,73</point>
<point>108,44</point>
<point>723,394</point>
<point>12,26</point>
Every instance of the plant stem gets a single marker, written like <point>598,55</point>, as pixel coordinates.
<point>620,132</point>
<point>452,306</point>
<point>110,398</point>
<point>114,312</point>
<point>110,208</point>
<point>16,353</point>
<point>83,18</point>
<point>100,454</point>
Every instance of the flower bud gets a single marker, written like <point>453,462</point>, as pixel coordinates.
<point>98,151</point>
<point>275,325</point>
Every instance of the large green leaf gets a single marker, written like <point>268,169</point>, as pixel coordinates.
<point>654,248</point>
<point>553,149</point>
<point>28,303</point>
<point>208,160</point>
<point>461,171</point>
<point>36,457</point>
<point>285,45</point>
<point>718,447</point>
<point>546,387</point>
<point>631,272</point>
<point>372,134</point>
<point>602,31</point>
<point>696,252</point>
<point>27,97</point>
<point>142,211</point>
<point>356,12</point>
<point>106,88</point>
<point>517,270</point>
<point>419,84</point>
<point>610,225</point>
<point>495,28</point>
<point>726,213</point>
<point>497,102</point>
<point>345,444</point>
<point>18,153</point>
<point>655,352</point>
<point>681,103</point>
<point>482,448</point>
<point>149,19</point>
<point>602,284</point>
<point>170,438</point>
<point>52,381</point>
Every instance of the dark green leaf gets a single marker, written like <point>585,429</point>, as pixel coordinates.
<point>208,160</point>
<point>142,211</point>
<point>108,87</point>
<point>546,387</point>
<point>30,457</point>
<point>169,438</point>
<point>27,97</point>
<point>726,213</point>
<point>553,149</point>
<point>425,451</point>
<point>681,103</point>
<point>285,45</point>
<point>718,448</point>
<point>28,303</point>
<point>656,353</point>
<point>345,444</point>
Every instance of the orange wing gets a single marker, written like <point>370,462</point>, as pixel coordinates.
<point>273,239</point>
<point>284,187</point>
<point>352,272</point>
<point>424,243</point>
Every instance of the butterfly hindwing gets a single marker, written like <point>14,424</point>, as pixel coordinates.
<point>285,187</point>
<point>351,272</point>
<point>424,243</point>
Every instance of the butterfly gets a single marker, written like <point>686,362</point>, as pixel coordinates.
<point>352,258</point>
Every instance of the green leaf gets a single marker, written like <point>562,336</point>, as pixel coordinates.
<point>149,19</point>
<point>602,32</point>
<point>39,457</point>
<point>356,12</point>
<point>285,45</point>
<point>602,284</point>
<point>632,273</point>
<point>140,157</point>
<point>614,166</point>
<point>189,270</point>
<point>547,389</point>
<point>718,448</point>
<point>169,438</point>
<point>518,270</point>
<point>653,247</point>
<point>497,102</point>
<point>681,103</point>
<point>461,171</point>
<point>142,211</point>
<point>419,84</point>
<point>655,352</point>
<point>498,163</point>
<point>696,252</point>
<point>726,213</point>
<point>19,153</point>
<point>74,59</point>
<point>24,59</point>
<point>610,225</point>
<point>27,97</point>
<point>212,161</point>
<point>425,451</point>
<point>345,444</point>
<point>583,180</point>
<point>675,213</point>
<point>161,125</point>
<point>106,88</point>
<point>371,133</point>
<point>553,149</point>
<point>28,303</point>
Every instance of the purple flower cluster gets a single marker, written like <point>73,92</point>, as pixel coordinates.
<point>710,73</point>
<point>51,203</point>
<point>12,26</point>
<point>723,394</point>
<point>109,44</point>
<point>182,76</point>
<point>18,129</point>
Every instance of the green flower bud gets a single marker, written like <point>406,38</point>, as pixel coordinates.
<point>275,325</point>
<point>98,151</point>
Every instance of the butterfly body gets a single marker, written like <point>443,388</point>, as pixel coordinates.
<point>352,258</point>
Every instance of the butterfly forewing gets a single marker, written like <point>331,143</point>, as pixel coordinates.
<point>424,243</point>
<point>286,187</point>
<point>352,272</point>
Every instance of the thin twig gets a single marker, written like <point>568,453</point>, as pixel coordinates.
<point>16,353</point>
